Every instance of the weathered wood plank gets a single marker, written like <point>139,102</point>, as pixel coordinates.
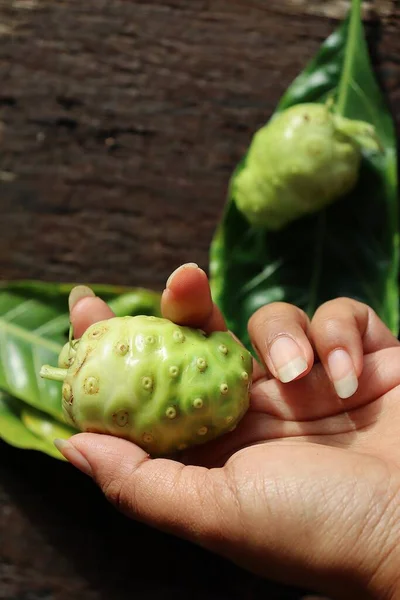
<point>124,119</point>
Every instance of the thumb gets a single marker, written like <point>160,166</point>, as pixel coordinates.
<point>185,500</point>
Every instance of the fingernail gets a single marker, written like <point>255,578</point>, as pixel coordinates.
<point>342,372</point>
<point>77,293</point>
<point>287,358</point>
<point>73,456</point>
<point>181,268</point>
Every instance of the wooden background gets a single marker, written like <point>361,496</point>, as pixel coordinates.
<point>120,124</point>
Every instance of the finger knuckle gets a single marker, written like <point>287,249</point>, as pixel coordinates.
<point>215,499</point>
<point>272,313</point>
<point>120,490</point>
<point>330,326</point>
<point>331,306</point>
<point>342,312</point>
<point>209,494</point>
<point>114,491</point>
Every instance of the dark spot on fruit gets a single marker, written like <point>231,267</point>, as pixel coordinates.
<point>178,336</point>
<point>97,333</point>
<point>83,360</point>
<point>122,348</point>
<point>224,388</point>
<point>198,403</point>
<point>147,383</point>
<point>121,418</point>
<point>201,364</point>
<point>67,393</point>
<point>91,385</point>
<point>174,371</point>
<point>171,412</point>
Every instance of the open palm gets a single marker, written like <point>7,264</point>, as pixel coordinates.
<point>306,490</point>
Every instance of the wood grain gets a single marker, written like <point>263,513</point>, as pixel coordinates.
<point>123,120</point>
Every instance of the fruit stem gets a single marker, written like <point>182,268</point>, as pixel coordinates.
<point>48,372</point>
<point>362,132</point>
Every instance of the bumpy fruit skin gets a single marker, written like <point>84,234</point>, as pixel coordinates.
<point>148,380</point>
<point>67,354</point>
<point>301,161</point>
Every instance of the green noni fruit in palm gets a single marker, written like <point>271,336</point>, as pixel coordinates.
<point>302,160</point>
<point>146,379</point>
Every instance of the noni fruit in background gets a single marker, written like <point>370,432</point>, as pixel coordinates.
<point>303,159</point>
<point>159,385</point>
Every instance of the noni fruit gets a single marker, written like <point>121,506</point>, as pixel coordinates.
<point>160,385</point>
<point>303,159</point>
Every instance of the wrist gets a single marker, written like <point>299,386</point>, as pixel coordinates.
<point>372,570</point>
<point>383,582</point>
<point>375,578</point>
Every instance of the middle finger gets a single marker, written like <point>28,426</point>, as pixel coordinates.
<point>279,334</point>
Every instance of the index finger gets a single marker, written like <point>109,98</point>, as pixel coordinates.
<point>187,300</point>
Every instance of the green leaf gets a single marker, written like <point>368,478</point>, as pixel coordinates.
<point>14,432</point>
<point>349,249</point>
<point>34,324</point>
<point>44,426</point>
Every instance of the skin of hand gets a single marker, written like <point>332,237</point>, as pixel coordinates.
<point>306,490</point>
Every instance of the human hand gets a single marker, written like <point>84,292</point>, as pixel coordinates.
<point>306,490</point>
